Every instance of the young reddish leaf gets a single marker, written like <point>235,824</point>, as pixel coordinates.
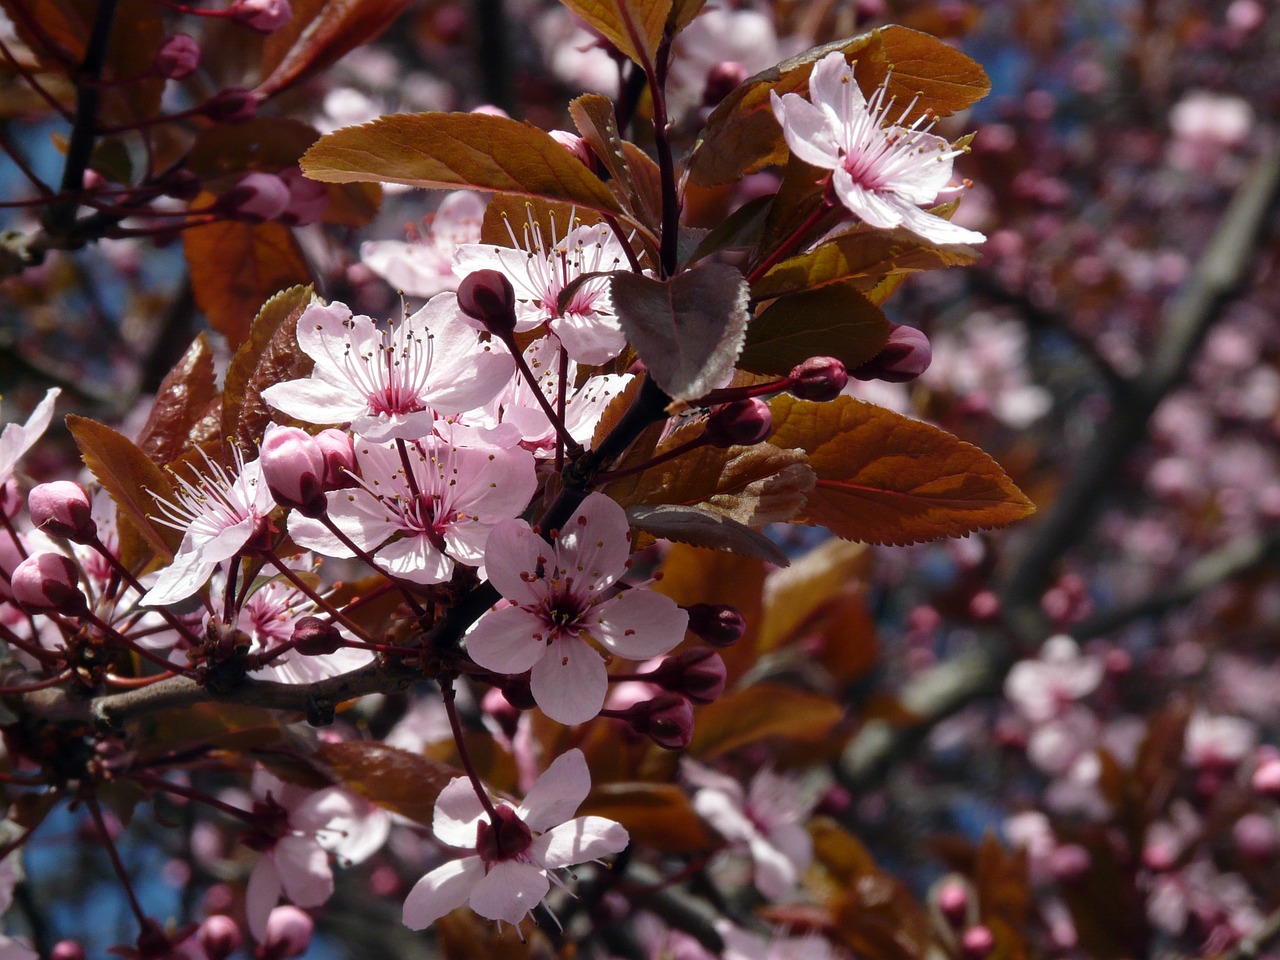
<point>885,478</point>
<point>796,596</point>
<point>263,143</point>
<point>839,852</point>
<point>833,321</point>
<point>236,266</point>
<point>861,253</point>
<point>458,150</point>
<point>633,26</point>
<point>181,402</point>
<point>741,230</point>
<point>682,14</point>
<point>702,528</point>
<point>689,329</point>
<point>755,713</point>
<point>133,482</point>
<point>319,33</point>
<point>352,204</point>
<point>269,355</point>
<point>742,136</point>
<point>394,779</point>
<point>657,815</point>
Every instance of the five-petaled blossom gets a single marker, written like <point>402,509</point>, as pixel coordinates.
<point>390,382</point>
<point>539,271</point>
<point>220,512</point>
<point>559,596</point>
<point>508,875</point>
<point>881,170</point>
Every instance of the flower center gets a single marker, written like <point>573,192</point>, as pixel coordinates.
<point>506,837</point>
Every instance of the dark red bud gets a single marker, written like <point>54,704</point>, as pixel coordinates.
<point>314,637</point>
<point>819,378</point>
<point>907,355</point>
<point>257,197</point>
<point>722,80</point>
<point>219,936</point>
<point>716,623</point>
<point>262,16</point>
<point>516,690</point>
<point>233,105</point>
<point>667,720</point>
<point>180,183</point>
<point>339,452</point>
<point>487,296</point>
<point>697,673</point>
<point>954,900</point>
<point>62,509</point>
<point>741,423</point>
<point>289,933</point>
<point>977,943</point>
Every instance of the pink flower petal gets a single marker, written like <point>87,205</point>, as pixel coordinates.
<point>558,793</point>
<point>594,544</point>
<point>639,624</point>
<point>442,890</point>
<point>510,640</point>
<point>578,841</point>
<point>457,814</point>
<point>513,553</point>
<point>510,891</point>
<point>261,895</point>
<point>569,681</point>
<point>304,870</point>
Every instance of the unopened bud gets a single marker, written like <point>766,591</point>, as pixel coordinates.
<point>293,467</point>
<point>313,637</point>
<point>289,933</point>
<point>819,378</point>
<point>308,199</point>
<point>233,105</point>
<point>11,499</point>
<point>178,57</point>
<point>1255,836</point>
<point>496,705</point>
<point>487,296</point>
<point>264,16</point>
<point>62,509</point>
<point>953,900</point>
<point>667,720</point>
<point>219,936</point>
<point>977,943</point>
<point>1266,779</point>
<point>716,623</point>
<point>517,691</point>
<point>907,355</point>
<point>67,950</point>
<point>180,183</point>
<point>1069,862</point>
<point>257,197</point>
<point>741,423</point>
<point>575,145</point>
<point>339,452</point>
<point>696,673</point>
<point>48,582</point>
<point>722,80</point>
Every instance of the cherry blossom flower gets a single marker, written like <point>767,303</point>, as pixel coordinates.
<point>882,171</point>
<point>17,438</point>
<point>390,382</point>
<point>539,271</point>
<point>509,873</point>
<point>1043,688</point>
<point>768,819</point>
<point>220,512</point>
<point>557,599</point>
<point>297,829</point>
<point>440,515</point>
<point>423,267</point>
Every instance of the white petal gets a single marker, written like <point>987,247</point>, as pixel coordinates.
<point>442,890</point>
<point>832,86</point>
<point>186,575</point>
<point>593,338</point>
<point>726,816</point>
<point>775,876</point>
<point>569,682</point>
<point>457,814</point>
<point>512,555</point>
<point>807,130</point>
<point>877,209</point>
<point>261,896</point>
<point>558,793</point>
<point>594,544</point>
<point>416,559</point>
<point>638,624</point>
<point>304,870</point>
<point>580,840</point>
<point>510,891</point>
<point>937,229</point>
<point>508,640</point>
<point>314,401</point>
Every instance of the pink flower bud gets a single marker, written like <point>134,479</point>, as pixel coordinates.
<point>67,950</point>
<point>308,199</point>
<point>818,378</point>
<point>907,355</point>
<point>496,705</point>
<point>289,933</point>
<point>1255,836</point>
<point>233,105</point>
<point>219,936</point>
<point>697,673</point>
<point>1266,779</point>
<point>487,296</point>
<point>977,943</point>
<point>62,509</point>
<point>517,691</point>
<point>667,720</point>
<point>48,582</point>
<point>575,145</point>
<point>722,80</point>
<point>741,423</point>
<point>339,452</point>
<point>716,623</point>
<point>313,637</point>
<point>1069,862</point>
<point>264,16</point>
<point>294,468</point>
<point>257,197</point>
<point>953,900</point>
<point>10,498</point>
<point>178,57</point>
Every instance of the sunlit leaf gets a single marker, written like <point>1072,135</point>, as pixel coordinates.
<point>885,478</point>
<point>320,32</point>
<point>458,150</point>
<point>759,712</point>
<point>394,779</point>
<point>794,597</point>
<point>182,400</point>
<point>633,26</point>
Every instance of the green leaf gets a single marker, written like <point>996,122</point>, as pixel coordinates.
<point>633,26</point>
<point>834,321</point>
<point>269,355</point>
<point>394,779</point>
<point>755,713</point>
<point>702,528</point>
<point>181,402</point>
<point>458,150</point>
<point>885,478</point>
<point>688,330</point>
<point>866,254</point>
